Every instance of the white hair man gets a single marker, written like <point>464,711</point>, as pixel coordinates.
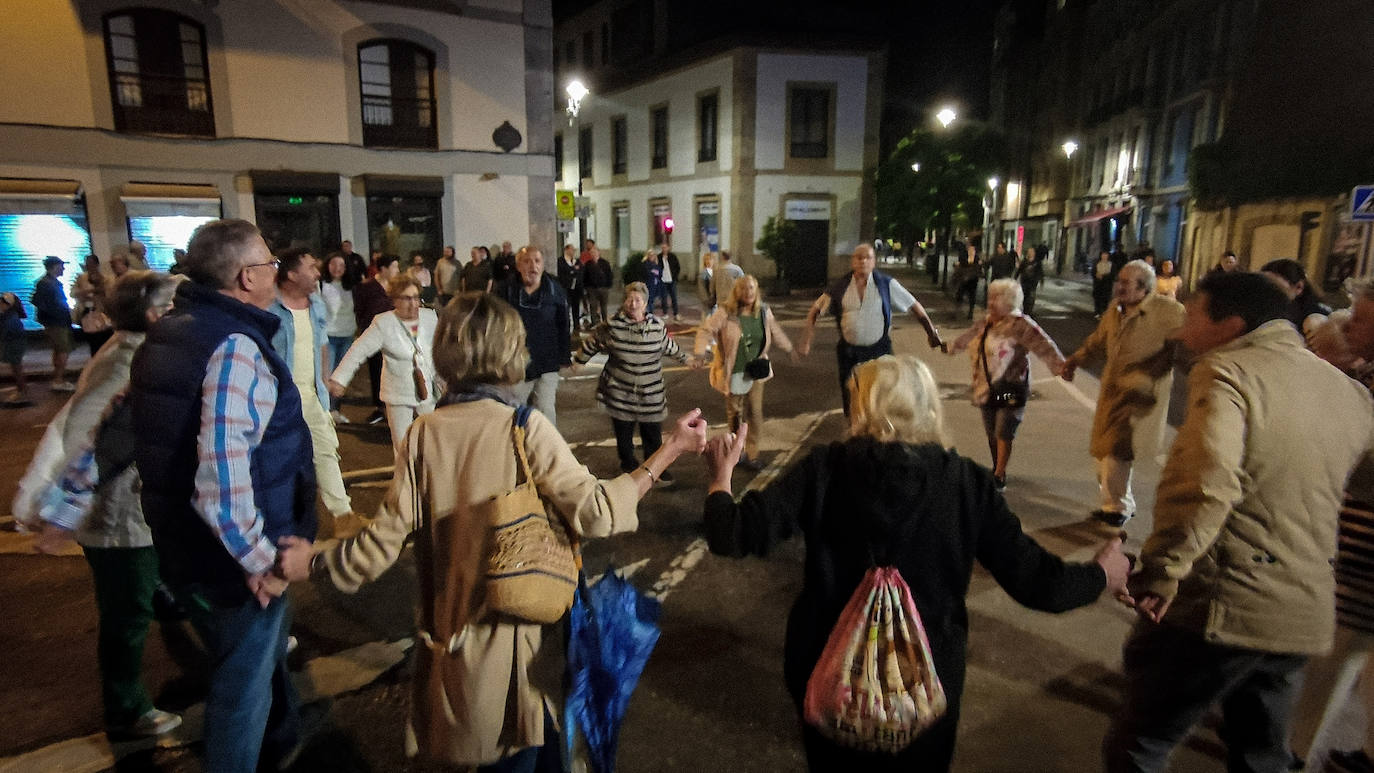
<point>1133,339</point>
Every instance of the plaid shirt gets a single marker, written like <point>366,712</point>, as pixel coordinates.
<point>238,395</point>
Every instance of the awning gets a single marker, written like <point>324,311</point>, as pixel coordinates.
<point>1101,214</point>
<point>39,197</point>
<point>294,183</point>
<point>159,200</point>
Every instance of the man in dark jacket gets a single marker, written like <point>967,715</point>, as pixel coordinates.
<point>369,300</point>
<point>544,309</point>
<point>597,277</point>
<point>228,485</point>
<point>50,301</point>
<point>671,271</point>
<point>502,265</point>
<point>570,278</point>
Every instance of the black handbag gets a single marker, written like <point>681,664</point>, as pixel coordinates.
<point>1001,393</point>
<point>760,368</point>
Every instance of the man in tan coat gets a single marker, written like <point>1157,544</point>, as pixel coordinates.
<point>1133,337</point>
<point>1235,588</point>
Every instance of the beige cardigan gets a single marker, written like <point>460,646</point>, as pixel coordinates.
<point>485,699</point>
<point>723,328</point>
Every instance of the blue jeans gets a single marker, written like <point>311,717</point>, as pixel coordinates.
<point>666,291</point>
<point>338,347</point>
<point>251,710</point>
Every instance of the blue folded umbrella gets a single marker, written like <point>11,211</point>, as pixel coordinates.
<point>614,628</point>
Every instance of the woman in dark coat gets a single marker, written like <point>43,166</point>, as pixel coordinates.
<point>896,487</point>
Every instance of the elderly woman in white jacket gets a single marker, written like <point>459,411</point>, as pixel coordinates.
<point>405,337</point>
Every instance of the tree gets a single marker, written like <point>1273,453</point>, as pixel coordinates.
<point>955,165</point>
<point>776,242</point>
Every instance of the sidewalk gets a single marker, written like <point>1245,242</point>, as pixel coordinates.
<point>38,358</point>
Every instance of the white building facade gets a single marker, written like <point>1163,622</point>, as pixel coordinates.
<point>721,144</point>
<point>389,125</point>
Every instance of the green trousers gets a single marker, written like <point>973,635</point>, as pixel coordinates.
<point>125,579</point>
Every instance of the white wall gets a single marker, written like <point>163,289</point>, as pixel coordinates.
<point>489,212</point>
<point>771,190</point>
<point>850,76</point>
<point>682,196</point>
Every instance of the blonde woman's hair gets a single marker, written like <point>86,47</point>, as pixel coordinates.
<point>635,287</point>
<point>733,304</point>
<point>399,283</point>
<point>1010,288</point>
<point>894,399</point>
<point>479,339</point>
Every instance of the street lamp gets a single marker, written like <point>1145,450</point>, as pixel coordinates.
<point>916,167</point>
<point>1069,147</point>
<point>946,116</point>
<point>576,93</point>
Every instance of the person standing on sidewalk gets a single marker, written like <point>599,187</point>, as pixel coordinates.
<point>864,318</point>
<point>1234,589</point>
<point>301,342</point>
<point>597,277</point>
<point>1135,339</point>
<point>672,269</point>
<point>370,298</point>
<point>96,500</point>
<point>336,288</point>
<point>228,485</point>
<point>1030,272</point>
<point>14,343</point>
<point>571,278</point>
<point>55,315</point>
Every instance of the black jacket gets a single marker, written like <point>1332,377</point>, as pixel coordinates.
<point>923,509</point>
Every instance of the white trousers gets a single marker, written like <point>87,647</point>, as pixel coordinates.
<point>326,445</point>
<point>1327,685</point>
<point>542,394</point>
<point>1114,485</point>
<point>400,417</point>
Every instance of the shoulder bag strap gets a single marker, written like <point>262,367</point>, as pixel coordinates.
<point>763,320</point>
<point>983,352</point>
<point>520,419</point>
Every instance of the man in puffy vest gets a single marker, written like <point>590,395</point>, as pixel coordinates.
<point>864,317</point>
<point>228,485</point>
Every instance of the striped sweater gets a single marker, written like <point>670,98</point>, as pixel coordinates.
<point>1355,551</point>
<point>631,386</point>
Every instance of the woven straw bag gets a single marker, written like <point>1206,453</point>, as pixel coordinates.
<point>531,559</point>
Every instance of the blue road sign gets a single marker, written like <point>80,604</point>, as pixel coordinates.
<point>1362,203</point>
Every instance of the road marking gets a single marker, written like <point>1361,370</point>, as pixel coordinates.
<point>687,560</point>
<point>1078,395</point>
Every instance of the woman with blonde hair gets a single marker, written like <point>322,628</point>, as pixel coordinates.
<point>486,684</point>
<point>404,337</point>
<point>741,331</point>
<point>631,388</point>
<point>893,494</point>
<point>1001,368</point>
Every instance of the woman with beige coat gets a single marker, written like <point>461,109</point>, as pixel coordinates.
<point>487,687</point>
<point>742,329</point>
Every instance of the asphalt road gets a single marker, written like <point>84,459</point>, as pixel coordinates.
<point>1040,688</point>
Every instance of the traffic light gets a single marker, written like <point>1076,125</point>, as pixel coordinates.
<point>668,225</point>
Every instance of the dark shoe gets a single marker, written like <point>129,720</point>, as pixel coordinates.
<point>999,483</point>
<point>1111,517</point>
<point>166,607</point>
<point>751,464</point>
<point>156,722</point>
<point>376,417</point>
<point>1349,762</point>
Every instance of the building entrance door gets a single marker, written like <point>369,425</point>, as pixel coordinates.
<point>807,267</point>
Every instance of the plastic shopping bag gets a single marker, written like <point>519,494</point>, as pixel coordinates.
<point>875,687</point>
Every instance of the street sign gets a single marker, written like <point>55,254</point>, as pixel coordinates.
<point>565,226</point>
<point>1362,203</point>
<point>563,202</point>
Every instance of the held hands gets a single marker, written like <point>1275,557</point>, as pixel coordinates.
<point>1117,567</point>
<point>293,558</point>
<point>723,453</point>
<point>1067,370</point>
<point>689,433</point>
<point>265,587</point>
<point>1152,606</point>
<point>933,338</point>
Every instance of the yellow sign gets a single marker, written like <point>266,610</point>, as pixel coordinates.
<point>564,204</point>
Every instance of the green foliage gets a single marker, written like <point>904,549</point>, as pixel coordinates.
<point>955,166</point>
<point>776,242</point>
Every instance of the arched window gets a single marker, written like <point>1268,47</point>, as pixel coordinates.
<point>159,77</point>
<point>397,82</point>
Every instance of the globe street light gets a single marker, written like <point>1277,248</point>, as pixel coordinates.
<point>1069,147</point>
<point>993,182</point>
<point>576,92</point>
<point>916,167</point>
<point>946,116</point>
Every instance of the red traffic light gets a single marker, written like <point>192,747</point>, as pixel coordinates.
<point>667,225</point>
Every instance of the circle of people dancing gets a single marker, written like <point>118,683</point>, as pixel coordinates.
<point>189,459</point>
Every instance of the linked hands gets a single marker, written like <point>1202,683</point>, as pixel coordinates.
<point>722,454</point>
<point>1067,370</point>
<point>689,433</point>
<point>293,565</point>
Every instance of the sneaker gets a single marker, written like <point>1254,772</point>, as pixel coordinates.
<point>376,417</point>
<point>1349,762</point>
<point>155,722</point>
<point>13,398</point>
<point>1111,517</point>
<point>338,417</point>
<point>63,386</point>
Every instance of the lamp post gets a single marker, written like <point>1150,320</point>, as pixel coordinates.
<point>1069,147</point>
<point>989,221</point>
<point>576,93</point>
<point>946,116</point>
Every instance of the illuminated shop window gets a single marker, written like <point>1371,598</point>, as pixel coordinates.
<point>162,234</point>
<point>25,240</point>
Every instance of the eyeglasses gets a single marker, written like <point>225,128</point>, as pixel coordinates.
<point>274,263</point>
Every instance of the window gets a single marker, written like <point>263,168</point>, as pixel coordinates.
<point>810,123</point>
<point>584,152</point>
<point>619,142</point>
<point>708,107</point>
<point>658,126</point>
<point>570,53</point>
<point>632,32</point>
<point>588,50</point>
<point>558,157</point>
<point>605,43</point>
<point>397,82</point>
<point>159,76</point>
